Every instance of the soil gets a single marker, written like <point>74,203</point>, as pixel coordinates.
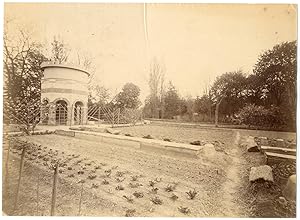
<point>221,182</point>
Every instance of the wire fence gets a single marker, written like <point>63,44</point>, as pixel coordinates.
<point>27,114</point>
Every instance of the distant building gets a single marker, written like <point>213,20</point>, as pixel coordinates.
<point>64,94</point>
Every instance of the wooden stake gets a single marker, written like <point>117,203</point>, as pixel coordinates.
<point>37,194</point>
<point>80,199</point>
<point>6,169</point>
<point>20,176</point>
<point>53,201</point>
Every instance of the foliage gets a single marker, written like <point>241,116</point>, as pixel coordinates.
<point>184,210</point>
<point>22,80</point>
<point>156,200</point>
<point>60,52</point>
<point>229,89</point>
<point>192,194</point>
<point>172,102</point>
<point>128,97</point>
<point>257,115</point>
<point>99,95</point>
<point>276,73</point>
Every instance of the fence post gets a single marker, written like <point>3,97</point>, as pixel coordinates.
<point>80,199</point>
<point>118,115</point>
<point>113,119</point>
<point>6,164</point>
<point>53,201</point>
<point>99,114</point>
<point>20,175</point>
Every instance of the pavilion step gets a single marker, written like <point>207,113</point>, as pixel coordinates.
<point>275,157</point>
<point>279,150</point>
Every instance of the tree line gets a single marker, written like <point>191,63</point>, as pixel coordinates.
<point>266,98</point>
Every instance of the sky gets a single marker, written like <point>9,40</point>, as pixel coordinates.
<point>194,42</point>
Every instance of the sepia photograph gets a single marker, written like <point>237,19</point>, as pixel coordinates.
<point>149,109</point>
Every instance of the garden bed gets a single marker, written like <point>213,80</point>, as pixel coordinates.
<point>124,166</point>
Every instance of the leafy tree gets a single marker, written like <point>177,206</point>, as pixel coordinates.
<point>229,87</point>
<point>172,102</point>
<point>276,71</point>
<point>128,97</point>
<point>99,95</point>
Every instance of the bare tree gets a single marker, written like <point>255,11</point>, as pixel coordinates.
<point>60,52</point>
<point>157,88</point>
<point>22,79</point>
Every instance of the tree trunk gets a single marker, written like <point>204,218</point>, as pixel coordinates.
<point>217,112</point>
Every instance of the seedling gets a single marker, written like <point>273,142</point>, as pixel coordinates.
<point>192,194</point>
<point>80,172</point>
<point>170,188</point>
<point>93,171</point>
<point>78,161</point>
<point>130,212</point>
<point>138,194</point>
<point>119,173</point>
<point>157,179</point>
<point>107,173</point>
<point>105,182</point>
<point>148,136</point>
<point>97,167</point>
<point>135,185</point>
<point>119,180</point>
<point>119,187</point>
<point>88,163</point>
<point>167,139</point>
<point>129,135</point>
<point>134,178</point>
<point>92,176</point>
<point>174,197</point>
<point>151,183</point>
<point>95,185</point>
<point>129,199</point>
<point>154,190</point>
<point>156,200</point>
<point>184,210</point>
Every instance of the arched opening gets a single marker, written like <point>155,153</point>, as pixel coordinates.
<point>78,113</point>
<point>45,111</point>
<point>61,112</point>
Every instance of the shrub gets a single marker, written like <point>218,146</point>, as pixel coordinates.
<point>255,115</point>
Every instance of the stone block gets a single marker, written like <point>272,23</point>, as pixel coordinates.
<point>112,131</point>
<point>261,173</point>
<point>290,189</point>
<point>251,145</point>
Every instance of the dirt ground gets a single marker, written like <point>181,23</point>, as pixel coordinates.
<point>221,182</point>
